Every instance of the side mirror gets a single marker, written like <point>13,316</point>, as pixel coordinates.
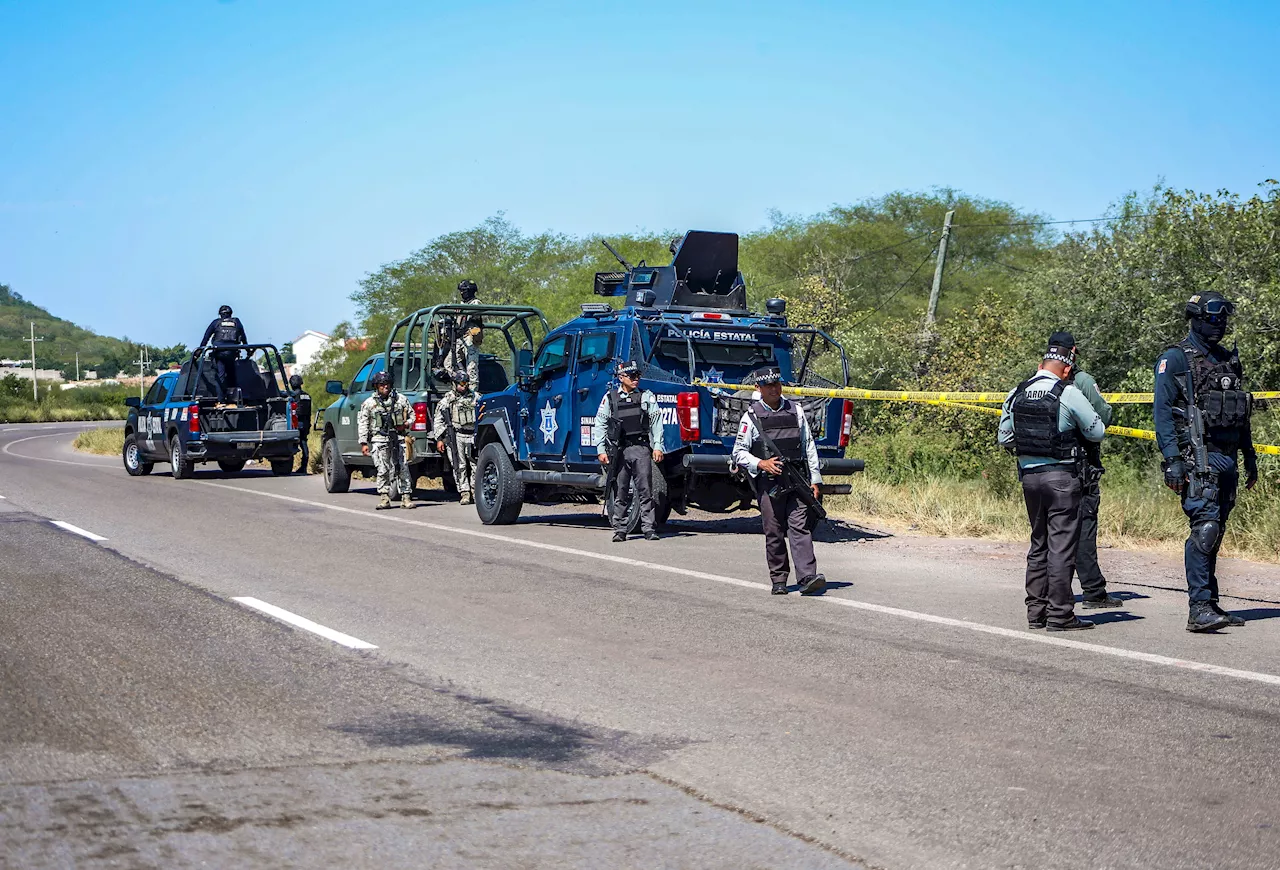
<point>133,402</point>
<point>335,388</point>
<point>525,374</point>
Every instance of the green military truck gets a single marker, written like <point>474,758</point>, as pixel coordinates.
<point>425,339</point>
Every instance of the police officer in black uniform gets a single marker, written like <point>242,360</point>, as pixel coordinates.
<point>468,290</point>
<point>303,398</point>
<point>225,329</point>
<point>1199,378</point>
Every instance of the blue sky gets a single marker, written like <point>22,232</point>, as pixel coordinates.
<point>160,158</point>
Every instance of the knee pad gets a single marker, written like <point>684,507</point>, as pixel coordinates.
<point>1206,537</point>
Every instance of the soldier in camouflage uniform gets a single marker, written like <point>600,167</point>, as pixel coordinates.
<point>384,417</point>
<point>455,427</point>
<point>465,354</point>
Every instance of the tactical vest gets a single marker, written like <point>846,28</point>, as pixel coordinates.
<point>463,414</point>
<point>783,428</point>
<point>228,332</point>
<point>384,416</point>
<point>633,422</point>
<point>1216,388</point>
<point>304,411</point>
<point>1035,424</point>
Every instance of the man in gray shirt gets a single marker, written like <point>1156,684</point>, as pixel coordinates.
<point>1045,422</point>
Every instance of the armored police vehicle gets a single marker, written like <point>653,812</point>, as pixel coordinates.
<point>419,351</point>
<point>187,418</point>
<point>687,323</point>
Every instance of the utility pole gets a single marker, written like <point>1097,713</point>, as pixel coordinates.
<point>932,313</point>
<point>143,361</point>
<point>77,367</point>
<point>35,390</point>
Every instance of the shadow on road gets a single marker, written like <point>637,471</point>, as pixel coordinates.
<point>1253,613</point>
<point>1110,617</point>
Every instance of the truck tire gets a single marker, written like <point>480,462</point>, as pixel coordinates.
<point>281,467</point>
<point>182,466</point>
<point>662,503</point>
<point>336,476</point>
<point>132,456</point>
<point>231,466</point>
<point>499,493</point>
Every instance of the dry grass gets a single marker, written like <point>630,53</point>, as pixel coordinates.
<point>104,441</point>
<point>43,414</point>
<point>1133,516</point>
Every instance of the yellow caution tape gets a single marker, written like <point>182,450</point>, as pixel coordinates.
<point>1144,434</point>
<point>926,396</point>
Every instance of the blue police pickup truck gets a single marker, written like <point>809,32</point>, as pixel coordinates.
<point>188,418</point>
<point>688,325</point>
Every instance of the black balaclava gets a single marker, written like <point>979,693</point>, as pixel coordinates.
<point>1212,333</point>
<point>1211,328</point>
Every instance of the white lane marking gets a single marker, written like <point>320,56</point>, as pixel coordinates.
<point>1013,634</point>
<point>304,623</point>
<point>76,530</point>
<point>10,444</point>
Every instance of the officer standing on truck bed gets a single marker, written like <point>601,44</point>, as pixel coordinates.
<point>225,329</point>
<point>303,398</point>
<point>384,418</point>
<point>1202,424</point>
<point>774,431</point>
<point>1045,421</point>
<point>628,438</point>
<point>455,428</point>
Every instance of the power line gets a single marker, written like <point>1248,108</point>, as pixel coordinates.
<point>1049,223</point>
<point>895,292</point>
<point>849,261</point>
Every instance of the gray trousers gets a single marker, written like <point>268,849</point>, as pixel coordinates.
<point>1092,583</point>
<point>636,466</point>
<point>460,459</point>
<point>1053,509</point>
<point>786,519</point>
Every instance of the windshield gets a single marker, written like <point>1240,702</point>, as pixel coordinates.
<point>714,353</point>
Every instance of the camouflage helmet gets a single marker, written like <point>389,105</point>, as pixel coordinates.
<point>458,376</point>
<point>381,379</point>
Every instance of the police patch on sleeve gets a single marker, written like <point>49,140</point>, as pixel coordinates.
<point>1163,363</point>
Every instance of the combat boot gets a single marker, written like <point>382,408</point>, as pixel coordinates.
<point>619,537</point>
<point>779,588</point>
<point>813,585</point>
<point>466,498</point>
<point>1201,617</point>
<point>1104,601</point>
<point>1231,618</point>
<point>383,503</point>
<point>406,502</point>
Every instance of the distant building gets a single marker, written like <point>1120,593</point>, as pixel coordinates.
<point>308,346</point>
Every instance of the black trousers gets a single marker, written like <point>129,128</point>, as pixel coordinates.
<point>1053,509</point>
<point>636,466</point>
<point>786,520</point>
<point>303,433</point>
<point>224,370</point>
<point>1092,583</point>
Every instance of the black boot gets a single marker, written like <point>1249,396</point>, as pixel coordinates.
<point>1231,618</point>
<point>813,585</point>
<point>1104,600</point>
<point>1202,617</point>
<point>779,588</point>
<point>1074,624</point>
<point>619,537</point>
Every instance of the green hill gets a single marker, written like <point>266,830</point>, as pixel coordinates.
<point>62,339</point>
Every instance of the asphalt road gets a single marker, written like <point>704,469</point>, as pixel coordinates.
<point>541,697</point>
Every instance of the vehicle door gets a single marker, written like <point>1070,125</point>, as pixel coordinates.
<point>593,376</point>
<point>550,419</point>
<point>151,417</point>
<point>348,423</point>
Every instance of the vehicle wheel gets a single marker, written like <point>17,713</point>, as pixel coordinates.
<point>182,467</point>
<point>662,504</point>
<point>336,476</point>
<point>231,466</point>
<point>281,467</point>
<point>499,494</point>
<point>132,455</point>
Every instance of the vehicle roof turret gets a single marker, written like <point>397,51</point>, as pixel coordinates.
<point>703,274</point>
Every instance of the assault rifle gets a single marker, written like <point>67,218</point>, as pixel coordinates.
<point>1202,476</point>
<point>612,449</point>
<point>792,478</point>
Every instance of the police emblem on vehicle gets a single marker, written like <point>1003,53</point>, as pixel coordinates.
<point>548,426</point>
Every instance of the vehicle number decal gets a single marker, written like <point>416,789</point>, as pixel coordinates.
<point>586,426</point>
<point>346,421</point>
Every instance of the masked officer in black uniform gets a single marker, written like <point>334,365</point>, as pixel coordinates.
<point>1200,381</point>
<point>225,329</point>
<point>1045,422</point>
<point>628,432</point>
<point>468,290</point>
<point>304,419</point>
<point>786,518</point>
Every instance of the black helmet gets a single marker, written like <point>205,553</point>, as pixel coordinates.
<point>295,382</point>
<point>468,289</point>
<point>1211,306</point>
<point>458,376</point>
<point>224,311</point>
<point>381,379</point>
